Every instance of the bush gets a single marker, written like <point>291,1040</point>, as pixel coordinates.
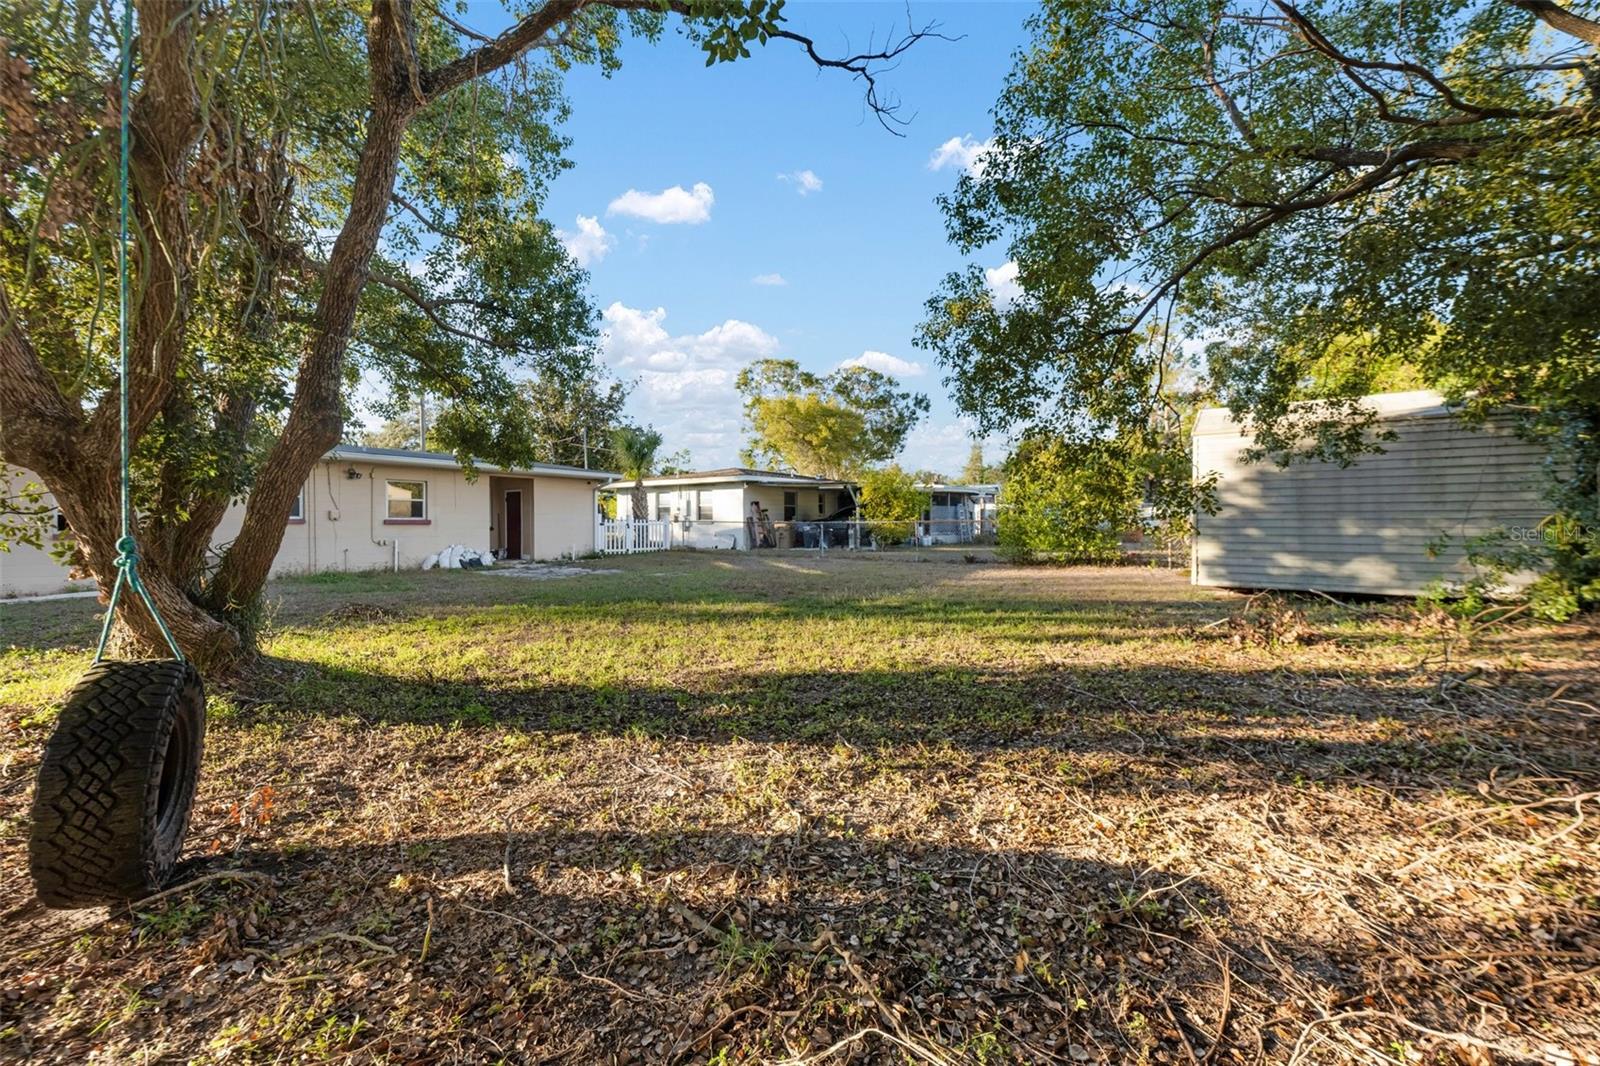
<point>1067,501</point>
<point>891,503</point>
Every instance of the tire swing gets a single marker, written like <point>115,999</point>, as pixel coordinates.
<point>117,781</point>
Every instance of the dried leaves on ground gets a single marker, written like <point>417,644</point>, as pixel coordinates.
<point>724,808</point>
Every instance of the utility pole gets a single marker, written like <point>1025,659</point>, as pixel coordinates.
<point>584,433</point>
<point>422,411</point>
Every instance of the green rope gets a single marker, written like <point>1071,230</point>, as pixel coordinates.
<point>127,546</point>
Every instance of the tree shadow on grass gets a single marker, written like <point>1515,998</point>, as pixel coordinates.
<point>659,945</point>
<point>1232,725</point>
<point>652,945</point>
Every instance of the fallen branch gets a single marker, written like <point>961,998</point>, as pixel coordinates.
<point>220,875</point>
<point>855,1038</point>
<point>352,938</point>
<point>1461,1038</point>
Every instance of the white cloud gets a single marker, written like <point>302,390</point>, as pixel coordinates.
<point>769,279</point>
<point>805,182</point>
<point>1127,288</point>
<point>686,382</point>
<point>1004,288</point>
<point>944,445</point>
<point>964,152</point>
<point>884,363</point>
<point>589,243</point>
<point>674,205</point>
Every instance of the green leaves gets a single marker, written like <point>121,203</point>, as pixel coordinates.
<point>891,503</point>
<point>1332,199</point>
<point>827,425</point>
<point>635,451</point>
<point>726,28</point>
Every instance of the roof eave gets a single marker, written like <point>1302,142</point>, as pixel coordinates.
<point>347,455</point>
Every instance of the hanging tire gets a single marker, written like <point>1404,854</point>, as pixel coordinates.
<point>117,783</point>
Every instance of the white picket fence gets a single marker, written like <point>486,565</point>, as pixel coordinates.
<point>620,536</point>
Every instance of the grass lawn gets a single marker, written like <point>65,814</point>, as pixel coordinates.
<point>734,808</point>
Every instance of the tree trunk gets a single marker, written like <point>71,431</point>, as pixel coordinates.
<point>641,502</point>
<point>316,417</point>
<point>93,508</point>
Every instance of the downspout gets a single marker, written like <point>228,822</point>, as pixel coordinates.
<point>335,512</point>
<point>308,516</point>
<point>372,509</point>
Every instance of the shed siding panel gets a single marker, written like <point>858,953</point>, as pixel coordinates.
<point>1366,527</point>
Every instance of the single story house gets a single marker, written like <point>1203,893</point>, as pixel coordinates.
<point>735,507</point>
<point>370,508</point>
<point>1372,527</point>
<point>958,514</point>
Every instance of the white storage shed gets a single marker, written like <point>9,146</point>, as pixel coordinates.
<point>1365,528</point>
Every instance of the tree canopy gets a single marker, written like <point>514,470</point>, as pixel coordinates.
<point>825,425</point>
<point>891,503</point>
<point>635,451</point>
<point>977,471</point>
<point>320,194</point>
<point>1413,183</point>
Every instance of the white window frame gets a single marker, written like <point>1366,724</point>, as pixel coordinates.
<point>388,503</point>
<point>297,511</point>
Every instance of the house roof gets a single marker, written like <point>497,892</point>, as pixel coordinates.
<point>735,475</point>
<point>406,457</point>
<point>961,490</point>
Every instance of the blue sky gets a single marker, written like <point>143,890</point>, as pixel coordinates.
<point>774,170</point>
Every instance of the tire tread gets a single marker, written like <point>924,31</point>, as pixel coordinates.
<point>94,837</point>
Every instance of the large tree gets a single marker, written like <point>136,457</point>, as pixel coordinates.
<point>571,417</point>
<point>1412,183</point>
<point>315,192</point>
<point>825,425</point>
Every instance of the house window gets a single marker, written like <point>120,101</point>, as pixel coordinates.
<point>702,505</point>
<point>408,500</point>
<point>822,505</point>
<point>790,505</point>
<point>61,522</point>
<point>663,514</point>
<point>297,510</point>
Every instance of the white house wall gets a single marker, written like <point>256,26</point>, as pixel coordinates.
<point>1366,528</point>
<point>564,519</point>
<point>729,504</point>
<point>26,571</point>
<point>345,524</point>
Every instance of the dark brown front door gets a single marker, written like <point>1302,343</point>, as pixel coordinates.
<point>514,525</point>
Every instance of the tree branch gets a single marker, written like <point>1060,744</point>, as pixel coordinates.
<point>416,212</point>
<point>860,65</point>
<point>1564,19</point>
<point>1313,36</point>
<point>166,121</point>
<point>1396,169</point>
<point>430,309</point>
<point>511,44</point>
<point>534,31</point>
<point>40,429</point>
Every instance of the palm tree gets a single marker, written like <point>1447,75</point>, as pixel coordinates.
<point>636,455</point>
